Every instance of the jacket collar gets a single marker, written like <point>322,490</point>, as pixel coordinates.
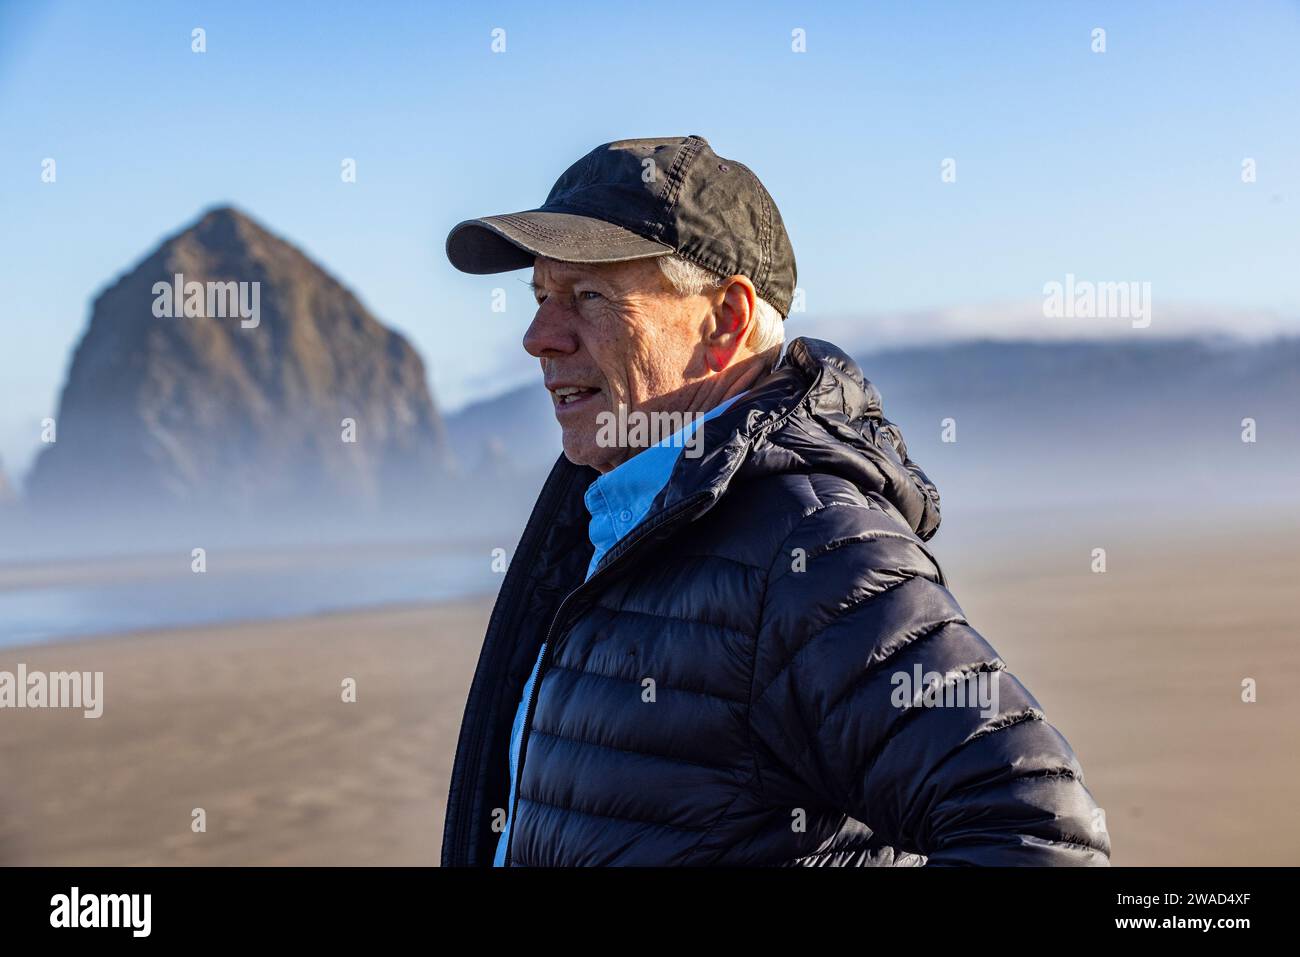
<point>814,412</point>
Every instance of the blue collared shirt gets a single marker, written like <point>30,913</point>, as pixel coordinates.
<point>617,502</point>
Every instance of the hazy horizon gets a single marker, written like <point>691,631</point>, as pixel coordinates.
<point>1012,322</point>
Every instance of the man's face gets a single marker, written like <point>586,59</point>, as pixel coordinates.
<point>612,334</point>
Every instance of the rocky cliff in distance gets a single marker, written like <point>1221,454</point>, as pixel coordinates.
<point>508,433</point>
<point>233,395</point>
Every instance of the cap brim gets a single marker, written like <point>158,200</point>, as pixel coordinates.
<point>512,241</point>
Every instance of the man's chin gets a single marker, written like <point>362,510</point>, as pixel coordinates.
<point>583,450</point>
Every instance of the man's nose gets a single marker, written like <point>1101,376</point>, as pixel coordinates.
<point>550,334</point>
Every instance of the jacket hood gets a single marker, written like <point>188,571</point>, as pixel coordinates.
<point>815,412</point>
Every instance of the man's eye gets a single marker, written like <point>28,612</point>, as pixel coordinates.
<point>589,294</point>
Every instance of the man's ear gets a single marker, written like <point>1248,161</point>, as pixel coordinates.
<point>733,317</point>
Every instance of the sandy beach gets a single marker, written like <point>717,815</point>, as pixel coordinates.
<point>247,722</point>
<point>1140,667</point>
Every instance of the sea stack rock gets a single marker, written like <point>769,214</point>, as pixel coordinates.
<point>228,370</point>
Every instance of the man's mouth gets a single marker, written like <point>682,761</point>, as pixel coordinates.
<point>569,396</point>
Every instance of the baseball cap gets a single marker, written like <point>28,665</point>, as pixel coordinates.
<point>635,199</point>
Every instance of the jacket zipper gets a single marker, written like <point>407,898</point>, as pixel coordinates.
<point>628,546</point>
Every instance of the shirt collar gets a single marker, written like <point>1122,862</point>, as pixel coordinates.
<point>623,496</point>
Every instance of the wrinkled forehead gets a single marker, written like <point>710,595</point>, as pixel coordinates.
<point>624,274</point>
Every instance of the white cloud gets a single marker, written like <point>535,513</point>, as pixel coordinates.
<point>1025,321</point>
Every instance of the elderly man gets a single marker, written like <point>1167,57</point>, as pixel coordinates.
<point>727,644</point>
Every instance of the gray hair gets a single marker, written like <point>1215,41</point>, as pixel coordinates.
<point>688,279</point>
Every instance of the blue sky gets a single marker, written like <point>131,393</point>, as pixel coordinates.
<point>1116,166</point>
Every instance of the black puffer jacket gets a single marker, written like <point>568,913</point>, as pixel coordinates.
<point>771,596</point>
